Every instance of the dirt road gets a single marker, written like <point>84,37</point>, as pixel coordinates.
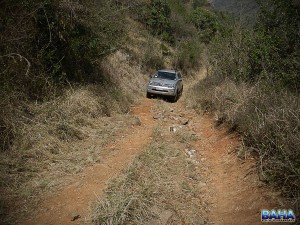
<point>232,191</point>
<point>62,206</point>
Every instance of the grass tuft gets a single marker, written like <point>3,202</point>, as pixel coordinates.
<point>156,182</point>
<point>269,120</point>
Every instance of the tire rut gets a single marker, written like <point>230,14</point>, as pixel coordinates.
<point>73,201</point>
<point>232,190</point>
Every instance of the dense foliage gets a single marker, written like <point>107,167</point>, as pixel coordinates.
<point>185,25</point>
<point>253,84</point>
<point>275,51</point>
<point>58,40</point>
<point>206,23</point>
<point>45,45</point>
<point>269,51</point>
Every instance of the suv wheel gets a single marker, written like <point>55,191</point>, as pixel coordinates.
<point>175,98</point>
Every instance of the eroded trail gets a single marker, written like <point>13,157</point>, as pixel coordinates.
<point>234,191</point>
<point>230,191</point>
<point>231,188</point>
<point>64,206</point>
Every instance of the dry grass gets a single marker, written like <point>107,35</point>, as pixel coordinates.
<point>129,68</point>
<point>151,53</point>
<point>57,138</point>
<point>186,137</point>
<point>160,180</point>
<point>269,120</point>
<point>45,141</point>
<point>126,74</point>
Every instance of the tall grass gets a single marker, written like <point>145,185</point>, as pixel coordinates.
<point>264,111</point>
<point>57,138</point>
<point>46,45</point>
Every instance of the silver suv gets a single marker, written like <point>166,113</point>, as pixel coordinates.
<point>165,83</point>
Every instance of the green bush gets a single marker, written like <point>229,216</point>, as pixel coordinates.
<point>276,48</point>
<point>76,42</point>
<point>153,59</point>
<point>206,23</point>
<point>229,54</point>
<point>62,41</point>
<point>253,85</point>
<point>181,26</point>
<point>156,16</point>
<point>188,55</point>
<point>46,45</point>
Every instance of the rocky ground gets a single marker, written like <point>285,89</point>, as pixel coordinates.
<point>223,179</point>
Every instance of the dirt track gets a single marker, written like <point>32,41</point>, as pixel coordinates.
<point>233,192</point>
<point>58,207</point>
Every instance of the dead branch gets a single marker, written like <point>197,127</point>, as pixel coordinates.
<point>11,55</point>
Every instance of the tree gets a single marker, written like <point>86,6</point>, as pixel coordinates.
<point>276,47</point>
<point>206,23</point>
<point>159,18</point>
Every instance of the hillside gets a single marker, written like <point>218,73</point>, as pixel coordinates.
<point>240,8</point>
<point>69,73</point>
<point>80,143</point>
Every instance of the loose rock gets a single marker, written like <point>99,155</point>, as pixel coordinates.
<point>75,216</point>
<point>185,121</point>
<point>201,184</point>
<point>136,121</point>
<point>190,153</point>
<point>173,129</point>
<point>157,116</point>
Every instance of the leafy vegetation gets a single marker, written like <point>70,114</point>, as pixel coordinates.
<point>277,41</point>
<point>177,25</point>
<point>61,39</point>
<point>206,23</point>
<point>253,84</point>
<point>188,55</point>
<point>59,74</point>
<point>46,45</point>
<point>53,86</point>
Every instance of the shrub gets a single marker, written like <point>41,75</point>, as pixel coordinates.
<point>268,119</point>
<point>253,86</point>
<point>229,54</point>
<point>188,55</point>
<point>46,45</point>
<point>63,39</point>
<point>206,23</point>
<point>181,26</point>
<point>156,16</point>
<point>275,50</point>
<point>153,58</point>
